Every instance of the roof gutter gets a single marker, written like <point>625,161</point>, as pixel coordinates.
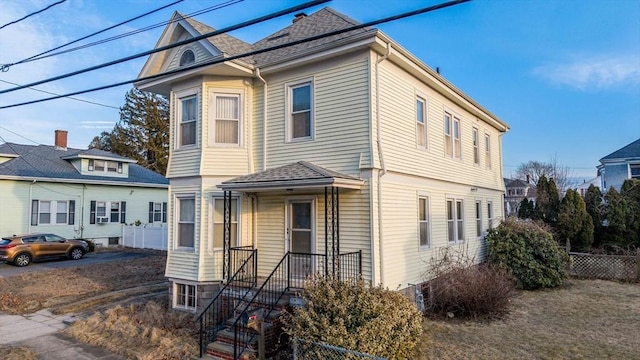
<point>83,181</point>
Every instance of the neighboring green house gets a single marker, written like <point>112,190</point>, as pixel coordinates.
<point>342,145</point>
<point>76,193</point>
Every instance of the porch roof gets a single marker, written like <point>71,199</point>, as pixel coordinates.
<point>299,175</point>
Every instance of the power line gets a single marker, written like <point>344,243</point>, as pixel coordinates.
<point>14,133</point>
<point>33,13</point>
<point>69,97</point>
<point>250,53</point>
<point>5,67</point>
<point>176,44</point>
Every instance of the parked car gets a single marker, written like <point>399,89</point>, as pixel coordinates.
<point>20,250</point>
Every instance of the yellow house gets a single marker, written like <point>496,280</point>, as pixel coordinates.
<point>343,154</point>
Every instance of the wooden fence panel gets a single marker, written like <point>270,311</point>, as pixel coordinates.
<point>610,267</point>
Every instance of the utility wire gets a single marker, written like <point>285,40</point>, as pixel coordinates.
<point>16,134</point>
<point>72,98</point>
<point>176,44</point>
<point>5,67</point>
<point>255,52</point>
<point>33,13</point>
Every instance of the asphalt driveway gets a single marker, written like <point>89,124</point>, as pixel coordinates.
<point>7,270</point>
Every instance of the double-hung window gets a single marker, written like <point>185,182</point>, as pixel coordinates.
<point>218,223</point>
<point>102,212</point>
<point>487,150</point>
<point>52,212</point>
<point>421,122</point>
<point>188,116</point>
<point>227,119</point>
<point>476,147</point>
<point>157,212</point>
<point>634,171</point>
<point>478,218</point>
<point>423,221</point>
<point>455,221</point>
<point>452,143</point>
<point>186,221</point>
<point>300,116</point>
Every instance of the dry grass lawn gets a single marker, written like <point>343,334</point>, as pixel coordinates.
<point>28,293</point>
<point>17,353</point>
<point>141,331</point>
<point>586,319</point>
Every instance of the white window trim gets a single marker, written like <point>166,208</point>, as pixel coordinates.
<point>157,212</point>
<point>475,132</point>
<point>453,118</point>
<point>420,96</point>
<point>629,166</point>
<point>487,150</point>
<point>457,239</point>
<point>314,220</point>
<point>53,212</point>
<point>212,116</point>
<point>181,53</point>
<point>288,110</point>
<point>427,196</point>
<point>175,296</point>
<point>176,221</point>
<point>212,212</point>
<point>178,97</point>
<point>491,217</point>
<point>480,234</point>
<point>457,150</point>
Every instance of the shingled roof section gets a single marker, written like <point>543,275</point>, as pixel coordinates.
<point>226,43</point>
<point>301,173</point>
<point>47,162</point>
<point>320,22</point>
<point>630,151</point>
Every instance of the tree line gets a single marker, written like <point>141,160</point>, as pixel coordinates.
<point>597,220</point>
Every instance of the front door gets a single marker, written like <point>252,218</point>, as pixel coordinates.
<point>301,236</point>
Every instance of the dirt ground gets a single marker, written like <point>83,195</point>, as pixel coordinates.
<point>586,319</point>
<point>59,288</point>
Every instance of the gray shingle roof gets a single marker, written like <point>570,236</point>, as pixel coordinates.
<point>629,151</point>
<point>320,22</point>
<point>47,162</point>
<point>296,174</point>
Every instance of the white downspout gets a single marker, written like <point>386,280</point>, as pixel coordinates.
<point>264,119</point>
<point>254,219</point>
<point>383,169</point>
<point>29,214</point>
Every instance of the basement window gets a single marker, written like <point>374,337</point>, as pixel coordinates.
<point>184,296</point>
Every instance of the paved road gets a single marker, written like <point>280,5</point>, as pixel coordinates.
<point>7,270</point>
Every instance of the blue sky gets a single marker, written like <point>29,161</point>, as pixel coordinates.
<point>565,75</point>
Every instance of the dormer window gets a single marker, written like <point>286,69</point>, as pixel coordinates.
<point>188,57</point>
<point>114,167</point>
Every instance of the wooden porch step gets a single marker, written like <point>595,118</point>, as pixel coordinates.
<point>221,351</point>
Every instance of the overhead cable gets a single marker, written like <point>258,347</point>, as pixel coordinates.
<point>69,97</point>
<point>31,14</point>
<point>255,52</point>
<point>116,37</point>
<point>5,67</point>
<point>176,44</point>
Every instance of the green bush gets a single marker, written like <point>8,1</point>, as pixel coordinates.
<point>529,252</point>
<point>92,245</point>
<point>358,317</point>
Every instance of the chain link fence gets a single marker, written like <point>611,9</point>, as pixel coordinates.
<point>307,350</point>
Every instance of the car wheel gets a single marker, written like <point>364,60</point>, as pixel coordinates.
<point>22,260</point>
<point>76,254</point>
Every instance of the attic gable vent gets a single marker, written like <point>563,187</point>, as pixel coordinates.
<point>188,57</point>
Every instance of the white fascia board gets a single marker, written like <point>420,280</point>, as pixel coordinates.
<point>83,182</point>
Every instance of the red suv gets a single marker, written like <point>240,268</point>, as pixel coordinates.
<point>20,250</point>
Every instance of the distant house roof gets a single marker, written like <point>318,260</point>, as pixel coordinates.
<point>301,174</point>
<point>49,163</point>
<point>517,183</point>
<point>630,151</point>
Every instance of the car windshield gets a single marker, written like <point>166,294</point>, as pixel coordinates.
<point>5,241</point>
<point>53,238</point>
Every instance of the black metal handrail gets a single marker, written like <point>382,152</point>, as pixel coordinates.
<point>350,265</point>
<point>220,309</point>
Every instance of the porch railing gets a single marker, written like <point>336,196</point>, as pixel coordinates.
<point>291,272</point>
<point>222,308</point>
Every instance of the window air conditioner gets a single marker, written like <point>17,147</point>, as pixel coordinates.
<point>102,219</point>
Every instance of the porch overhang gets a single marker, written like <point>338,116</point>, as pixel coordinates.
<point>297,176</point>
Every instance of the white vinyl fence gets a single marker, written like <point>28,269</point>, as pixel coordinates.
<point>145,236</point>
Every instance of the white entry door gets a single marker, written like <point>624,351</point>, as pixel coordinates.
<point>301,236</point>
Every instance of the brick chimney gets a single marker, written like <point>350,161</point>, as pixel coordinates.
<point>61,140</point>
